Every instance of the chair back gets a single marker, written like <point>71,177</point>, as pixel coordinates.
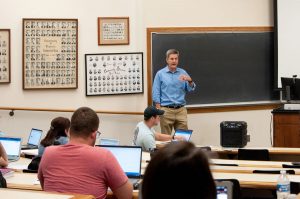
<point>290,166</point>
<point>295,187</point>
<point>253,154</point>
<point>273,171</point>
<point>2,181</point>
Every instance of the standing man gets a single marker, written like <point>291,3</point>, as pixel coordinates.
<point>79,167</point>
<point>169,88</point>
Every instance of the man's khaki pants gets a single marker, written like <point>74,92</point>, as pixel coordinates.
<point>173,118</point>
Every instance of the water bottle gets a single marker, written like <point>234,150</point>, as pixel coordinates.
<point>283,185</point>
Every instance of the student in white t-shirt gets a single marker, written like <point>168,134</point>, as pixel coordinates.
<point>144,133</point>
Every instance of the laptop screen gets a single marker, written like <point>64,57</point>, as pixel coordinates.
<point>224,189</point>
<point>12,146</point>
<point>222,192</point>
<point>107,141</point>
<point>129,158</point>
<point>35,137</point>
<point>184,133</point>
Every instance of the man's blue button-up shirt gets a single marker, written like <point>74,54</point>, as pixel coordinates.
<point>168,89</point>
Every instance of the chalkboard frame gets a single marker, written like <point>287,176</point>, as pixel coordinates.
<point>179,30</point>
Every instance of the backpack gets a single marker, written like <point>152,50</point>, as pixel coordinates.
<point>34,164</point>
<point>2,181</point>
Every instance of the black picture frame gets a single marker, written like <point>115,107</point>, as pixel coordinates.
<point>114,73</point>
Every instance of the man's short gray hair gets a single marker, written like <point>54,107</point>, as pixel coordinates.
<point>171,51</point>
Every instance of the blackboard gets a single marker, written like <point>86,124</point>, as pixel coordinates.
<point>227,67</point>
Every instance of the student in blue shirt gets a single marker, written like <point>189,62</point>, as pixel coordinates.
<point>170,85</point>
<point>57,134</point>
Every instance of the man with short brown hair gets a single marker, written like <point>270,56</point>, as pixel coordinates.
<point>79,167</point>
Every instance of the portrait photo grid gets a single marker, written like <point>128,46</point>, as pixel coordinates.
<point>4,56</point>
<point>50,53</point>
<point>108,74</point>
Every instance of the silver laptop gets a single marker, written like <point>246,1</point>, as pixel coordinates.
<point>109,141</point>
<point>12,147</point>
<point>184,133</point>
<point>129,158</point>
<point>33,139</point>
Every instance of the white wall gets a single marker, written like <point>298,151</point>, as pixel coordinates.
<point>142,14</point>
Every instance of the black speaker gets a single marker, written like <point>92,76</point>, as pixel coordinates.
<point>233,133</point>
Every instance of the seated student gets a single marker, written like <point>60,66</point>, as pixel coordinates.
<point>57,134</point>
<point>179,170</point>
<point>144,133</point>
<point>79,167</point>
<point>3,157</point>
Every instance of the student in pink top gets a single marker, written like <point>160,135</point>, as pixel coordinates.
<point>3,157</point>
<point>79,167</point>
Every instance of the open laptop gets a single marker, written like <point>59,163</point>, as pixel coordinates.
<point>12,147</point>
<point>33,139</point>
<point>184,133</point>
<point>129,158</point>
<point>109,141</point>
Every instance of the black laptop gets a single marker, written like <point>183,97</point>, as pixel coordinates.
<point>33,139</point>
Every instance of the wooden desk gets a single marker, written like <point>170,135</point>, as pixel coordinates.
<point>29,181</point>
<point>240,169</point>
<point>276,153</point>
<point>19,165</point>
<point>249,163</point>
<point>272,150</point>
<point>31,152</point>
<point>257,181</point>
<point>26,194</point>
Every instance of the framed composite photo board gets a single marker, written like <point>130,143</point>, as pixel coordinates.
<point>5,56</point>
<point>50,53</point>
<point>114,73</point>
<point>113,30</point>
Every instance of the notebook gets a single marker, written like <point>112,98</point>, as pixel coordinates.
<point>129,158</point>
<point>33,139</point>
<point>109,141</point>
<point>12,147</point>
<point>184,133</point>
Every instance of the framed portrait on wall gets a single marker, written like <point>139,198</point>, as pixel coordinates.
<point>5,56</point>
<point>114,73</point>
<point>50,53</point>
<point>113,30</point>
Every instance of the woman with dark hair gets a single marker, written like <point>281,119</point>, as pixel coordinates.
<point>57,134</point>
<point>179,170</point>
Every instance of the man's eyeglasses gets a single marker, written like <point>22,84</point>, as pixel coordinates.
<point>98,134</point>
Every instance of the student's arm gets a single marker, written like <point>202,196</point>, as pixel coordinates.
<point>156,93</point>
<point>165,137</point>
<point>162,137</point>
<point>3,156</point>
<point>124,192</point>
